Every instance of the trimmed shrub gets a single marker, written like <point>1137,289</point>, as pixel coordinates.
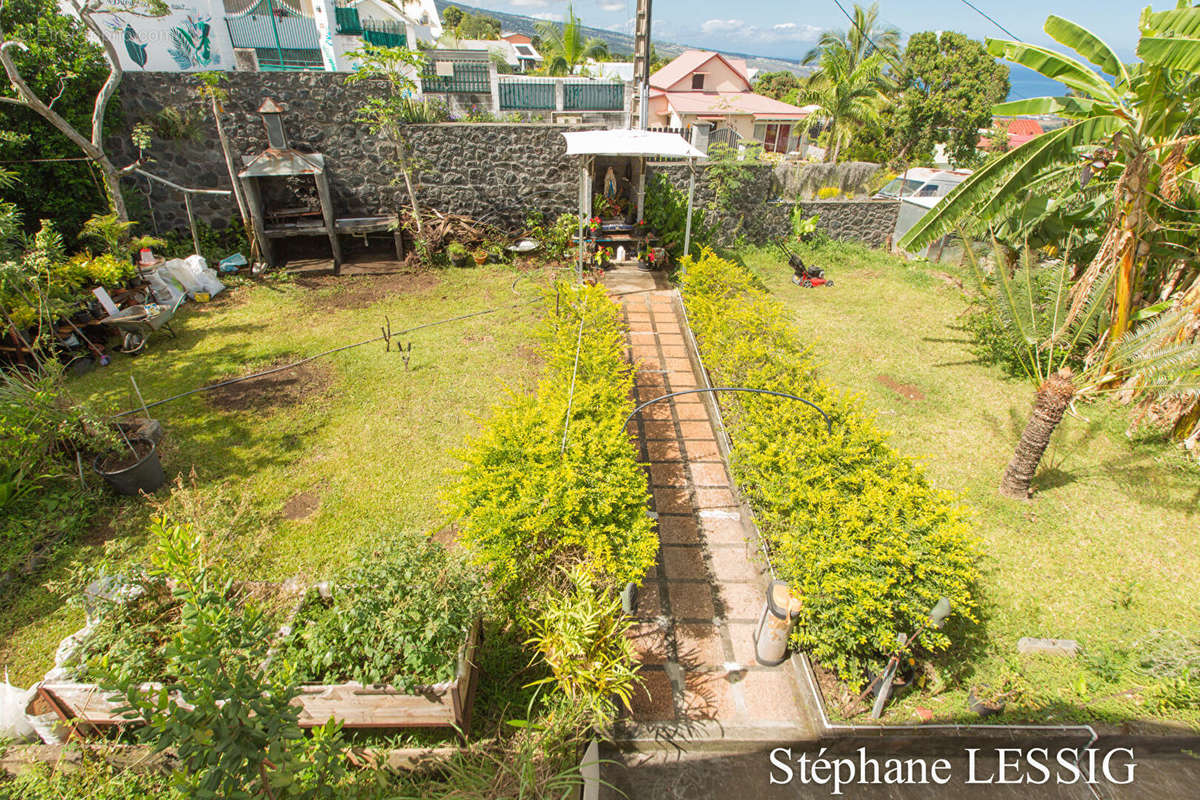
<point>853,526</point>
<point>524,503</point>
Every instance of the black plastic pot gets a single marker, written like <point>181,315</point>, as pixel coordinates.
<point>145,476</point>
<point>982,707</point>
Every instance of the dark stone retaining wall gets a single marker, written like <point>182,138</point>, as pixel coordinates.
<point>490,171</point>
<point>869,221</point>
<point>495,172</point>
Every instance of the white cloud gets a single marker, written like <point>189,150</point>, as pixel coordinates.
<point>794,31</point>
<point>781,32</point>
<point>529,3</point>
<point>612,5</point>
<point>724,26</point>
<point>551,16</point>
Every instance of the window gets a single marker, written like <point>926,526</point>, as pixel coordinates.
<point>698,81</point>
<point>775,140</point>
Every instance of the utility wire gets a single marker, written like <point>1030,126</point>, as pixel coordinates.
<point>990,19</point>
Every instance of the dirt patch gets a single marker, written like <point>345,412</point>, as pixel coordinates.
<point>357,291</point>
<point>447,537</point>
<point>127,456</point>
<point>301,506</point>
<point>288,387</point>
<point>226,299</point>
<point>905,390</point>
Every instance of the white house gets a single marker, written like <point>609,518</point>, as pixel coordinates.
<point>269,35</point>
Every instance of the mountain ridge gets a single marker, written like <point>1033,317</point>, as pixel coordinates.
<point>619,42</point>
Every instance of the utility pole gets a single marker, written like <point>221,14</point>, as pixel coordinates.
<point>641,59</point>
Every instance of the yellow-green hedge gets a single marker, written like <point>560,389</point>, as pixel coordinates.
<point>523,507</point>
<point>853,526</point>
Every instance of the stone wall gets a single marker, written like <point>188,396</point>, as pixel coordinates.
<point>869,221</point>
<point>802,180</point>
<point>491,171</point>
<point>755,214</point>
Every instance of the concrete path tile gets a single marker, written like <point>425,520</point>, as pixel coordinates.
<point>684,562</point>
<point>690,600</point>
<point>678,530</point>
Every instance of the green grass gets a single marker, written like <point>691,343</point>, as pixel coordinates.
<point>372,440</point>
<point>1104,553</point>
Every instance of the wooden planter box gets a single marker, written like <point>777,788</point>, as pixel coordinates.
<point>85,708</point>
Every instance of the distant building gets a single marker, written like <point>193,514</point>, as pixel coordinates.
<point>705,87</point>
<point>610,70</point>
<point>267,35</point>
<point>521,56</point>
<point>1020,131</point>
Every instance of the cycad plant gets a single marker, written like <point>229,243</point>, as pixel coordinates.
<point>1034,301</point>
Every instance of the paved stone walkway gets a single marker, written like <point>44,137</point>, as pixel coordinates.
<point>699,606</point>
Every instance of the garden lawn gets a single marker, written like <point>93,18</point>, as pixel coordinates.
<point>1105,553</point>
<point>321,461</point>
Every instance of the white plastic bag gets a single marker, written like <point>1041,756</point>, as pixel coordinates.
<point>164,286</point>
<point>207,278</point>
<point>14,725</point>
<point>178,269</point>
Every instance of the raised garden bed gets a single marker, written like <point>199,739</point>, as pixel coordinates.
<point>87,708</point>
<point>374,651</point>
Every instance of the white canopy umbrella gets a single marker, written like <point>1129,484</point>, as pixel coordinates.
<point>630,144</point>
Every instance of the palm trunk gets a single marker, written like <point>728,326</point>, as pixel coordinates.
<point>831,153</point>
<point>1050,403</point>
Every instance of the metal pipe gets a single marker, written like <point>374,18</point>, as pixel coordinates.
<point>179,188</point>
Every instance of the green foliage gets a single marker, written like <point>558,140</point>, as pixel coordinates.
<point>782,85</point>
<point>231,725</point>
<point>555,238</point>
<point>804,228</point>
<point>564,46</point>
<point>854,527</point>
<point>215,244</point>
<point>666,215</point>
<point>552,479</point>
<point>61,57</point>
<point>948,85</point>
<point>116,236</point>
<point>582,637</point>
<point>470,26</point>
<point>1009,313</point>
<point>178,124</point>
<point>89,776</point>
<point>848,92</point>
<point>398,616</point>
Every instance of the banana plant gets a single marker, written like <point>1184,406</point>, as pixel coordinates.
<point>1134,124</point>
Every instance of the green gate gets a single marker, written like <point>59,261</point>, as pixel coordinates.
<point>527,95</point>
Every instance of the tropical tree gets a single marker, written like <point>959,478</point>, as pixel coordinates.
<point>782,85</point>
<point>90,140</point>
<point>1135,129</point>
<point>865,36</point>
<point>948,85</point>
<point>1031,303</point>
<point>564,46</point>
<point>848,94</point>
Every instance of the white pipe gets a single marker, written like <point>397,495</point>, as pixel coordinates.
<point>687,228</point>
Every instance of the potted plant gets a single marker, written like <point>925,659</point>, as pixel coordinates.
<point>592,227</point>
<point>646,259</point>
<point>457,253</point>
<point>131,468</point>
<point>481,256</point>
<point>603,257</point>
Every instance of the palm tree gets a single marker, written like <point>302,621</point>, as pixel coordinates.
<point>848,94</point>
<point>1030,308</point>
<point>1137,130</point>
<point>865,36</point>
<point>565,47</point>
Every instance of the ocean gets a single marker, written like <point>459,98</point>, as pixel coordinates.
<point>1026,83</point>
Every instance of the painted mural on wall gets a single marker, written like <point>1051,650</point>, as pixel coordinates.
<point>191,46</point>
<point>181,40</point>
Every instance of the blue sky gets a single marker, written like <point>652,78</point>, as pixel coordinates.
<point>779,28</point>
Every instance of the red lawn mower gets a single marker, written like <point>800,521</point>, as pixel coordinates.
<point>805,276</point>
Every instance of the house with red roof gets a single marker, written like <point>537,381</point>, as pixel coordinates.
<point>1020,131</point>
<point>701,86</point>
